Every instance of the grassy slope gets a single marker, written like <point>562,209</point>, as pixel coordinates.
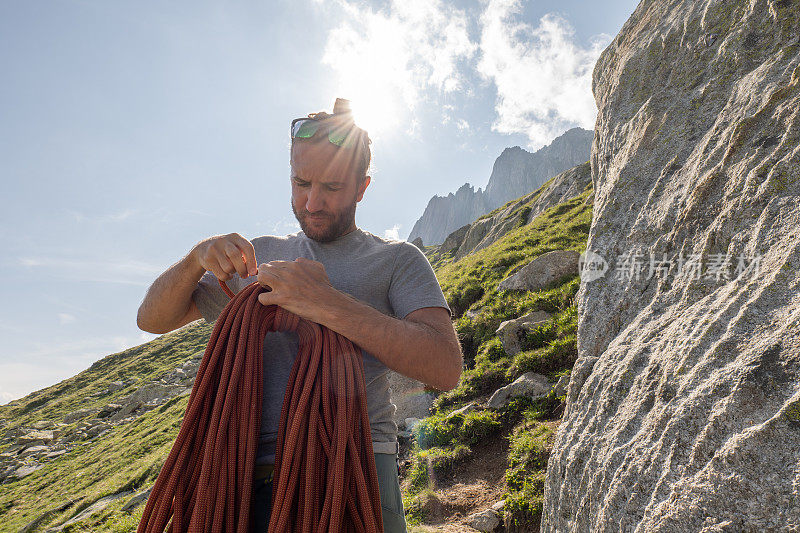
<point>130,455</point>
<point>126,458</point>
<point>445,440</point>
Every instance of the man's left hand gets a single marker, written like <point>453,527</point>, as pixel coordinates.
<point>300,286</point>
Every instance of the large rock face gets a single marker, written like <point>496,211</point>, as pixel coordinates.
<point>515,173</point>
<point>683,411</point>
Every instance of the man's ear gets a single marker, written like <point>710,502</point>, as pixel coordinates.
<point>363,188</point>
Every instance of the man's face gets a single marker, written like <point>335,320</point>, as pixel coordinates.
<point>324,189</point>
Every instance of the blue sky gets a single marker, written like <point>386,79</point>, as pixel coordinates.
<point>129,131</point>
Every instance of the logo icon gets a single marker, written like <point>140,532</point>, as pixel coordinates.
<point>591,266</point>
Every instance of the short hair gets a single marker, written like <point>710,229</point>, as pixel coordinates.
<point>363,153</point>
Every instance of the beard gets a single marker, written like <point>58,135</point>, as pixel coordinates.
<point>331,228</point>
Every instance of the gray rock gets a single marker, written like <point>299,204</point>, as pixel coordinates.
<point>136,500</point>
<point>34,450</point>
<point>409,396</point>
<point>528,384</point>
<point>513,332</point>
<point>115,386</point>
<point>24,471</point>
<point>94,508</point>
<point>126,411</point>
<point>418,243</point>
<point>74,416</point>
<point>464,410</point>
<point>499,506</point>
<point>484,521</point>
<point>561,386</point>
<point>109,410</point>
<point>542,271</point>
<point>154,392</point>
<point>35,438</point>
<point>410,423</point>
<point>683,411</point>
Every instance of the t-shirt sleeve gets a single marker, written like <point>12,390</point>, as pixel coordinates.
<point>414,284</point>
<point>209,297</point>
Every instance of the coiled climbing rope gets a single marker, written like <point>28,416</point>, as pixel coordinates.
<point>325,478</point>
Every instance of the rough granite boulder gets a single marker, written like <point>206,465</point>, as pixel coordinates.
<point>542,271</point>
<point>528,384</point>
<point>512,332</point>
<point>683,409</point>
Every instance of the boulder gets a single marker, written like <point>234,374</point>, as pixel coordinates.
<point>109,410</point>
<point>115,386</point>
<point>36,438</point>
<point>512,332</point>
<point>126,411</point>
<point>542,271</point>
<point>486,520</point>
<point>683,411</point>
<point>23,471</point>
<point>33,451</point>
<point>528,384</point>
<point>154,393</point>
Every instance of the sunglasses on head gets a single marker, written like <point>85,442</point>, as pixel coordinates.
<point>345,134</point>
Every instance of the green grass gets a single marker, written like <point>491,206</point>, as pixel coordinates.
<point>126,458</point>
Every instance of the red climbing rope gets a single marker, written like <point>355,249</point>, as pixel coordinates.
<point>325,477</point>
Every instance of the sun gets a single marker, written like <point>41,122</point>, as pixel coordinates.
<point>374,113</point>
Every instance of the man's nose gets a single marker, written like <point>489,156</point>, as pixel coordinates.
<point>314,200</point>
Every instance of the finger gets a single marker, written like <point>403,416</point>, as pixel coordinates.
<point>266,298</point>
<point>268,275</point>
<point>234,255</point>
<point>249,253</point>
<point>218,270</point>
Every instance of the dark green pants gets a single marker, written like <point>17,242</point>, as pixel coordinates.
<point>391,500</point>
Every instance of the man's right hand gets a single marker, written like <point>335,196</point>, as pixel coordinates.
<point>224,255</point>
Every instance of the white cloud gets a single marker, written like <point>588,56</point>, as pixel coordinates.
<point>102,218</point>
<point>123,271</point>
<point>392,233</point>
<point>543,77</point>
<point>388,60</point>
<point>66,318</point>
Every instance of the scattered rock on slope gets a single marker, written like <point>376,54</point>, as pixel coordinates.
<point>542,271</point>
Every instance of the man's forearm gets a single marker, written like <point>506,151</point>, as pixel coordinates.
<point>168,298</point>
<point>410,348</point>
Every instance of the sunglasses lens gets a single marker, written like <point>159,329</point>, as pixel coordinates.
<point>343,135</point>
<point>305,128</point>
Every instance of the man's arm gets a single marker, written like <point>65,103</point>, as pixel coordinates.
<point>168,303</point>
<point>423,345</point>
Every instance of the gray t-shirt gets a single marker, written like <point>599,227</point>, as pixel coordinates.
<point>394,277</point>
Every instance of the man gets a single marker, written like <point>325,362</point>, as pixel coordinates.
<point>380,294</point>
